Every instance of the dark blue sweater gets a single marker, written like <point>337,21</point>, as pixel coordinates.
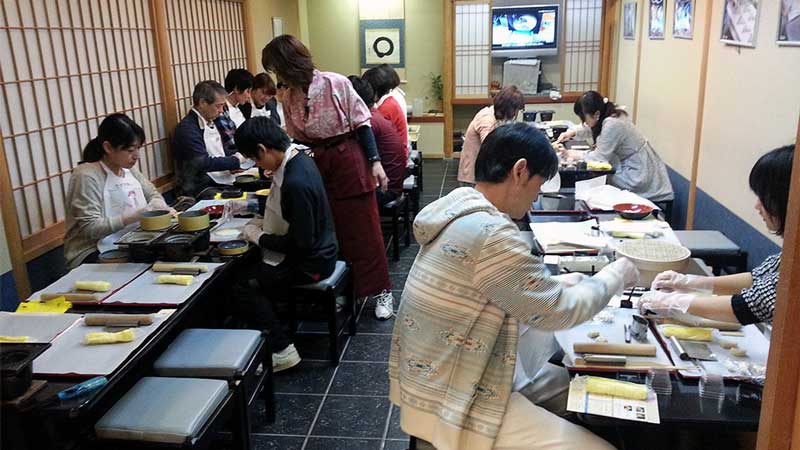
<point>192,161</point>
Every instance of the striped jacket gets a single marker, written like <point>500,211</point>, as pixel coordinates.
<point>454,344</point>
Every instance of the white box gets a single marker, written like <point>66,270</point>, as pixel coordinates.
<point>522,73</point>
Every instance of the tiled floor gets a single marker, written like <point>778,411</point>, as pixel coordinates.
<point>320,407</point>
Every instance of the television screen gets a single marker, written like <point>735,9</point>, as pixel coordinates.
<point>524,27</point>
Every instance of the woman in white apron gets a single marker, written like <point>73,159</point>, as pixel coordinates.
<point>106,192</point>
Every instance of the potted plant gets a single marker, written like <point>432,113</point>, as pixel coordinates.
<point>437,90</point>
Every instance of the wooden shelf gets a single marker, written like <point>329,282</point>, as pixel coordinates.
<point>529,100</point>
<point>426,119</point>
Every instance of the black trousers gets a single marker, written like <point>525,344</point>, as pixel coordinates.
<point>255,291</point>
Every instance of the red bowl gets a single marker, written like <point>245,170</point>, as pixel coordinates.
<point>214,210</point>
<point>632,211</point>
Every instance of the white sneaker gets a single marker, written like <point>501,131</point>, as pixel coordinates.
<point>285,359</point>
<point>384,305</point>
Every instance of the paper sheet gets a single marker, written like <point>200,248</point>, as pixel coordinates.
<point>555,237</point>
<point>145,291</point>
<point>582,188</point>
<point>69,356</point>
<point>615,334</point>
<point>603,405</point>
<point>753,341</point>
<point>117,274</point>
<point>232,224</point>
<point>39,327</point>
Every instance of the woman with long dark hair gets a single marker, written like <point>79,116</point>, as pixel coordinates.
<point>619,143</point>
<point>743,297</point>
<point>323,111</point>
<point>106,192</point>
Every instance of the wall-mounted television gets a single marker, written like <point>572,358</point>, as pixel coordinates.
<point>525,31</point>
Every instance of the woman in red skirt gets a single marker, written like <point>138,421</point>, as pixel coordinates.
<point>323,111</point>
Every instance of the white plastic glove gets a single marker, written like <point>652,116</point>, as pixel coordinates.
<point>670,281</point>
<point>240,157</point>
<point>627,271</point>
<point>665,303</point>
<point>253,233</point>
<point>570,279</point>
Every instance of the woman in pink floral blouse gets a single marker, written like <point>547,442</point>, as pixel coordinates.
<point>323,112</point>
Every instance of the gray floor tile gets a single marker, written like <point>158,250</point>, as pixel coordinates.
<point>361,417</point>
<point>315,346</point>
<point>276,442</point>
<point>308,377</point>
<point>354,378</point>
<point>367,323</point>
<point>398,281</point>
<point>394,426</point>
<point>365,347</point>
<point>343,444</point>
<point>293,414</point>
<point>396,445</point>
<point>403,265</point>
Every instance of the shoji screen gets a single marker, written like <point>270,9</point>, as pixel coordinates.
<point>207,39</point>
<point>582,31</point>
<point>473,47</point>
<point>65,65</point>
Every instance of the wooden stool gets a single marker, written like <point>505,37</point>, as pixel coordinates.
<point>393,210</point>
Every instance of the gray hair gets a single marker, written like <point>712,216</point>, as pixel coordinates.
<point>208,91</point>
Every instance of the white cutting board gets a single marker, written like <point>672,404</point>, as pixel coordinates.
<point>39,327</point>
<point>754,341</point>
<point>615,334</point>
<point>117,274</point>
<point>145,291</point>
<point>69,356</point>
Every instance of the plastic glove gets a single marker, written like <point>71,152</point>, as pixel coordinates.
<point>240,157</point>
<point>156,203</point>
<point>665,303</point>
<point>570,279</point>
<point>626,270</point>
<point>253,233</point>
<point>673,281</point>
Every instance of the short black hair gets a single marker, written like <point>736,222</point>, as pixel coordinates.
<point>363,89</point>
<point>381,80</point>
<point>260,130</point>
<point>770,179</point>
<point>238,79</point>
<point>264,81</point>
<point>507,144</point>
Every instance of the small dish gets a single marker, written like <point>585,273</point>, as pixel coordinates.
<point>633,211</point>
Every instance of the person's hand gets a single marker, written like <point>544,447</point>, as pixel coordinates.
<point>565,136</point>
<point>253,233</point>
<point>665,303</point>
<point>240,157</point>
<point>670,281</point>
<point>380,175</point>
<point>627,271</point>
<point>156,204</point>
<point>570,279</point>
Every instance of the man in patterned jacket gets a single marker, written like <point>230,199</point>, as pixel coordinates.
<point>474,287</point>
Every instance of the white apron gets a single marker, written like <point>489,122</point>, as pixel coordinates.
<point>259,112</point>
<point>213,142</point>
<point>236,115</point>
<point>121,195</point>
<point>273,216</point>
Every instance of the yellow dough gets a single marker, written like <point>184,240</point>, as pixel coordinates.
<point>687,333</point>
<point>97,286</point>
<point>109,338</point>
<point>614,388</point>
<point>183,280</point>
<point>594,165</point>
<point>727,345</point>
<point>740,352</point>
<point>15,339</point>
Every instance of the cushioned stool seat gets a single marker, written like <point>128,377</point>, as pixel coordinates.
<point>714,248</point>
<point>330,282</point>
<point>164,410</point>
<point>201,352</point>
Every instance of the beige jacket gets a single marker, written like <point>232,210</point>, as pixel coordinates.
<point>86,221</point>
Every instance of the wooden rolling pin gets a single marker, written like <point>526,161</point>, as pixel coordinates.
<point>103,320</point>
<point>71,297</point>
<point>615,349</point>
<point>171,267</point>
